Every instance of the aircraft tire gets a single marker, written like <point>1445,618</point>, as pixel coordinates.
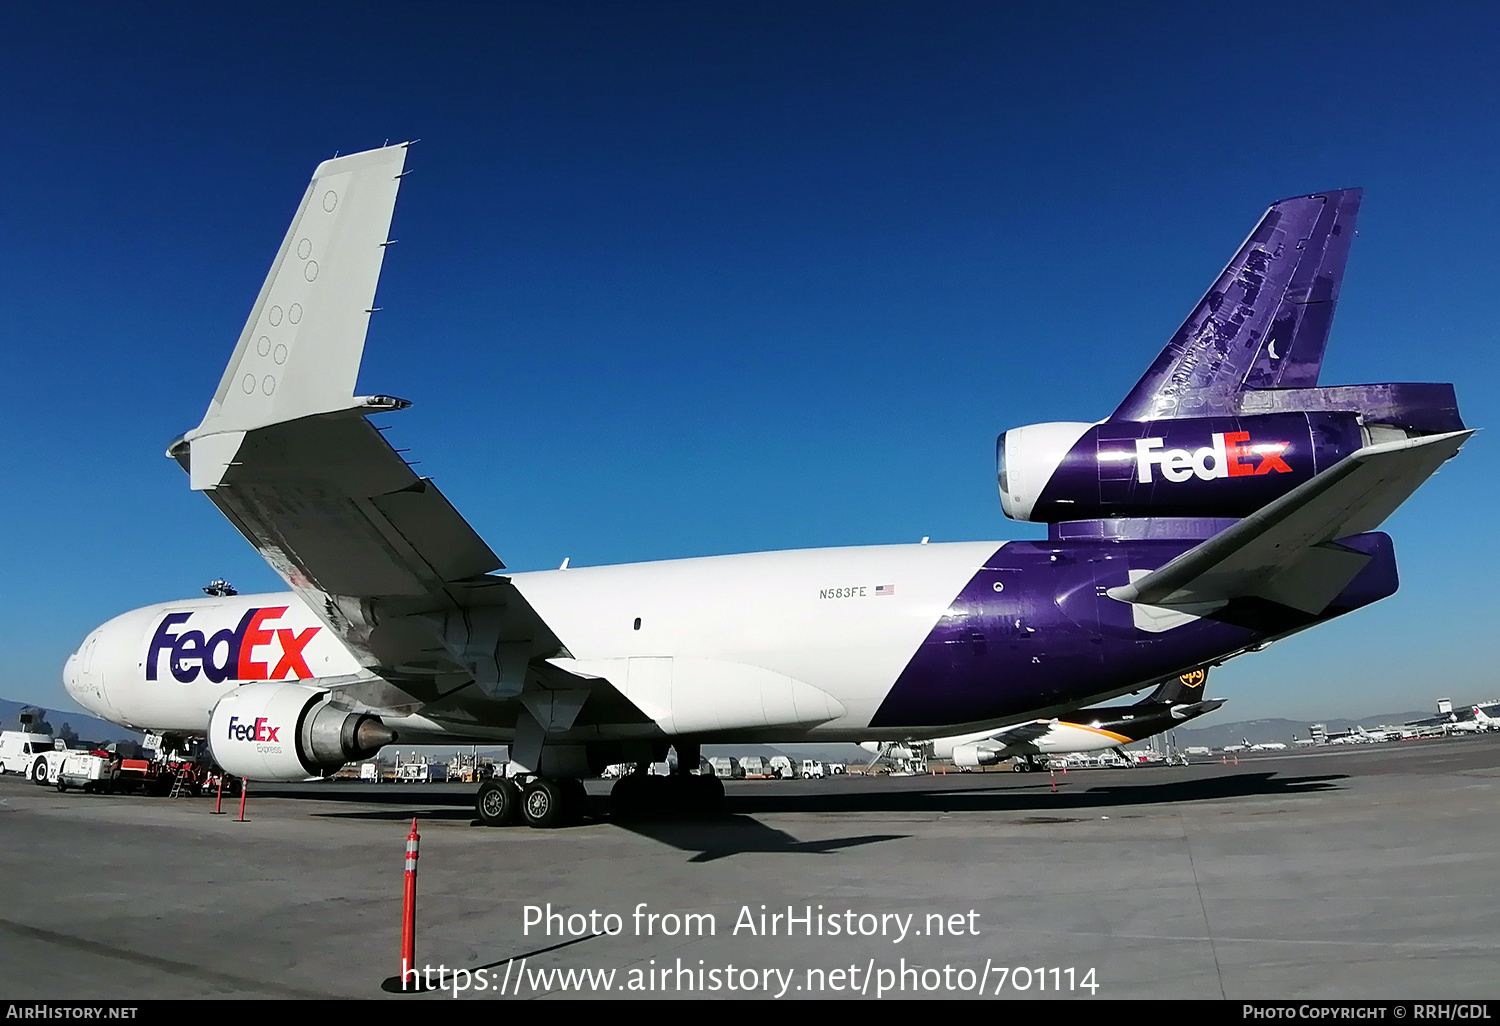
<point>577,799</point>
<point>630,798</point>
<point>544,803</point>
<point>498,803</point>
<point>708,794</point>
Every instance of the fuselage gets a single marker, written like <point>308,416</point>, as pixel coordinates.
<point>899,640</point>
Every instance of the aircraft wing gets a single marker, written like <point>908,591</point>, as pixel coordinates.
<point>1017,734</point>
<point>286,452</point>
<point>1287,551</point>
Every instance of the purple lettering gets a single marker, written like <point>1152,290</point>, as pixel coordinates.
<point>219,670</point>
<point>189,648</point>
<point>163,638</point>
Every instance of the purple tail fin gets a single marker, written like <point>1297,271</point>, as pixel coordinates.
<point>1264,324</point>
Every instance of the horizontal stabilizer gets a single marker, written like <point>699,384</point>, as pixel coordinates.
<point>1286,552</point>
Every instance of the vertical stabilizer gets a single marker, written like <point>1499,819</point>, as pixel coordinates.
<point>1265,322</point>
<point>1186,687</point>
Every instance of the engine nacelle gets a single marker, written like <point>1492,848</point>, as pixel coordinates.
<point>289,732</point>
<point>973,756</point>
<point>1197,467</point>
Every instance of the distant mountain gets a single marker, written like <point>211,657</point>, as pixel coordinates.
<point>86,727</point>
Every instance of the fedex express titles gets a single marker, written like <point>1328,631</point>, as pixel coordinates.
<point>1229,454</point>
<point>257,648</point>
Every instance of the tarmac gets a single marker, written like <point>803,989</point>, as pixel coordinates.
<point>1360,872</point>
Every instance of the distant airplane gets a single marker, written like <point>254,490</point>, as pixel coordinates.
<point>1229,501</point>
<point>1086,730</point>
<point>1484,719</point>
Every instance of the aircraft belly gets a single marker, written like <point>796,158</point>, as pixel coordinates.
<point>817,636</point>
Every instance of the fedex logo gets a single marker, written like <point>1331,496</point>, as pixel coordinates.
<point>260,730</point>
<point>1229,455</point>
<point>243,652</point>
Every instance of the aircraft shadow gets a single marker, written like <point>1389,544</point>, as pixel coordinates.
<point>722,836</point>
<point>395,985</point>
<point>1040,797</point>
<point>737,832</point>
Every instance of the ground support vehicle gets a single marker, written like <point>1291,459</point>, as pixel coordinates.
<point>20,751</point>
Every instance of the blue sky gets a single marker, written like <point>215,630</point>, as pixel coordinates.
<point>685,279</point>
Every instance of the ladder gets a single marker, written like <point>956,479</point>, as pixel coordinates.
<point>180,787</point>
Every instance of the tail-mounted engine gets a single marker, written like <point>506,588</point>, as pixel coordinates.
<point>289,732</point>
<point>1211,466</point>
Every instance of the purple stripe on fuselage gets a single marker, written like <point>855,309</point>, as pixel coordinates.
<point>1033,629</point>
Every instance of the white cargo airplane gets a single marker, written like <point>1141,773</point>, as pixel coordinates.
<point>1485,720</point>
<point>398,622</point>
<point>1028,744</point>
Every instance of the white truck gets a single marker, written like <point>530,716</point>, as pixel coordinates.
<point>24,753</point>
<point>813,768</point>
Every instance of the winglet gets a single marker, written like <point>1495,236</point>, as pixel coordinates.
<point>300,350</point>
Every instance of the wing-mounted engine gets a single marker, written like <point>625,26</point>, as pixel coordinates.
<point>290,732</point>
<point>976,756</point>
<point>1226,466</point>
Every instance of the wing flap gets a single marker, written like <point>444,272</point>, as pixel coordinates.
<point>1287,551</point>
<point>442,538</point>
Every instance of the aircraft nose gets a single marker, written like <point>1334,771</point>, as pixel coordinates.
<point>70,677</point>
<point>81,686</point>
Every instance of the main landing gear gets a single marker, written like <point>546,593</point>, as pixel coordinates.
<point>641,796</point>
<point>537,801</point>
<point>544,802</point>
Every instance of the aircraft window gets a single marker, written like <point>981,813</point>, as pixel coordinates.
<point>638,623</point>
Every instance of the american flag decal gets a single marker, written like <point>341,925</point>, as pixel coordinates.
<point>885,589</point>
